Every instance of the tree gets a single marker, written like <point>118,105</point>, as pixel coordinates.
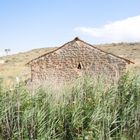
<point>7,51</point>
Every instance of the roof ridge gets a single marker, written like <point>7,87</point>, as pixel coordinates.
<point>107,52</point>
<point>78,39</point>
<point>75,39</point>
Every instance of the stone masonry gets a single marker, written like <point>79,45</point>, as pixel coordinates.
<point>74,59</point>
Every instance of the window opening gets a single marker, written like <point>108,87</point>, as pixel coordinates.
<point>79,66</point>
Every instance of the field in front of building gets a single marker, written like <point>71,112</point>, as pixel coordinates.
<point>86,110</point>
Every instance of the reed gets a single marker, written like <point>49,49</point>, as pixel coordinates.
<point>86,110</point>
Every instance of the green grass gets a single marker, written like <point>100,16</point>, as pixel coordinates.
<point>86,110</point>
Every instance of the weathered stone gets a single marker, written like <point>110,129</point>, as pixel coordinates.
<point>74,59</point>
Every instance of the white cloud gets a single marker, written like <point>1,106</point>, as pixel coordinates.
<point>127,30</point>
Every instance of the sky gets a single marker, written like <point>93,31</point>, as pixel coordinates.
<point>30,24</point>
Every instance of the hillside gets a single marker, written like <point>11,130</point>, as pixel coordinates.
<point>13,66</point>
<point>130,51</point>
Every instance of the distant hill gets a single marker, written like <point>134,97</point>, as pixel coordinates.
<point>130,51</point>
<point>13,66</point>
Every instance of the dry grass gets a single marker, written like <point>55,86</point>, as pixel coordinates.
<point>15,65</point>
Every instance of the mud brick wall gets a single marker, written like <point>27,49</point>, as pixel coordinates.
<point>75,59</point>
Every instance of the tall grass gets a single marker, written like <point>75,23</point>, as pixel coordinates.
<point>86,110</point>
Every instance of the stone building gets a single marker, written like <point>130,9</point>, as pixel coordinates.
<point>74,59</point>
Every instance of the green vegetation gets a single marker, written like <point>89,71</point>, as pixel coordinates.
<point>87,110</point>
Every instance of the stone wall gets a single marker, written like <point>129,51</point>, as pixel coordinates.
<point>75,59</point>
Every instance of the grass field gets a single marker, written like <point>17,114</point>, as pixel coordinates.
<point>86,110</point>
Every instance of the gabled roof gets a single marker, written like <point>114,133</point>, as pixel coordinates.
<point>77,39</point>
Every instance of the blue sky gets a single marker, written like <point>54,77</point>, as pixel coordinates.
<point>29,24</point>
